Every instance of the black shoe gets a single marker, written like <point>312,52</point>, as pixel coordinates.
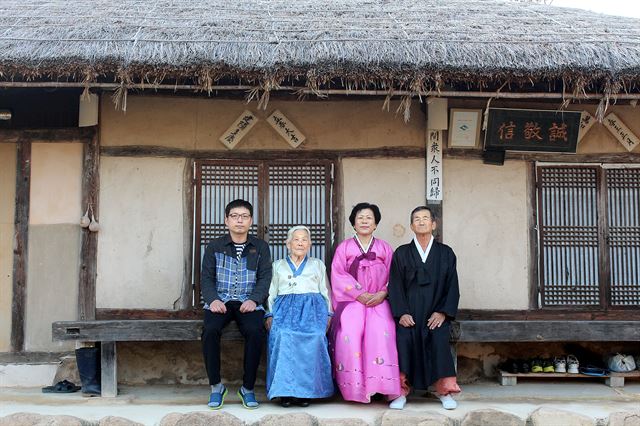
<point>524,366</point>
<point>510,366</point>
<point>302,402</point>
<point>285,402</point>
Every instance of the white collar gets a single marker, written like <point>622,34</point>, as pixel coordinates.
<point>364,249</point>
<point>423,253</point>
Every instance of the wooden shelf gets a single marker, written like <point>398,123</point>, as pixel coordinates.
<point>612,379</point>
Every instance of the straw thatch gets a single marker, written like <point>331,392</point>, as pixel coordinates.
<point>416,45</point>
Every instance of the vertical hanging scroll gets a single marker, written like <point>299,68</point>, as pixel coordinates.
<point>434,166</point>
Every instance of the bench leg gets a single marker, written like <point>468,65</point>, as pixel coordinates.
<point>615,381</point>
<point>109,366</point>
<point>508,381</point>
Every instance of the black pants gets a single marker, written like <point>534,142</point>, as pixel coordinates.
<point>252,329</point>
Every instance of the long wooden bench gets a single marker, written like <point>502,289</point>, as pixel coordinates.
<point>108,332</point>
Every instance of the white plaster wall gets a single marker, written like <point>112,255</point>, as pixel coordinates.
<point>54,242</point>
<point>56,183</point>
<point>52,284</point>
<point>395,185</point>
<point>140,247</point>
<point>7,209</point>
<point>485,222</point>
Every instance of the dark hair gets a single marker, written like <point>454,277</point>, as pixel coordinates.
<point>419,209</point>
<point>361,206</point>
<point>238,203</point>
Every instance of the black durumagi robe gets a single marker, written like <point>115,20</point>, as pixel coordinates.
<point>419,289</point>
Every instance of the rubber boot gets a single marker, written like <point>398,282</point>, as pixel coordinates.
<point>88,361</point>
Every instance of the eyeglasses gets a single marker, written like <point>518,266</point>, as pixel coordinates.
<point>236,216</point>
<point>422,219</point>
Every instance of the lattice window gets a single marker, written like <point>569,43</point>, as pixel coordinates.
<point>623,200</point>
<point>578,246</point>
<point>283,194</point>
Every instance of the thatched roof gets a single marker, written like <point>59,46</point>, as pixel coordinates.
<point>400,44</point>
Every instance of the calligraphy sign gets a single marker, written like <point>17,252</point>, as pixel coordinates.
<point>286,129</point>
<point>434,165</point>
<point>586,122</point>
<point>532,130</point>
<point>621,132</point>
<point>238,129</point>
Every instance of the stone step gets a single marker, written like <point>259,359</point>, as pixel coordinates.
<point>539,417</point>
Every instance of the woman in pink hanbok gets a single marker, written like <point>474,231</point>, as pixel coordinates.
<point>363,333</point>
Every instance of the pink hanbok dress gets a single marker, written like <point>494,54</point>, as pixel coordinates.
<point>365,358</point>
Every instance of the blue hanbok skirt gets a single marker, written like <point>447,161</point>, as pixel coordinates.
<point>298,363</point>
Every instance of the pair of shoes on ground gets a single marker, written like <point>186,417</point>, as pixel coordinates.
<point>448,403</point>
<point>515,366</point>
<point>542,365</point>
<point>248,399</point>
<point>570,364</point>
<point>286,402</point>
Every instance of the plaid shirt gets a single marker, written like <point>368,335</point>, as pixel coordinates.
<point>225,277</point>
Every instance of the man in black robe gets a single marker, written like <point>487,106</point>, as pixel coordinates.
<point>424,295</point>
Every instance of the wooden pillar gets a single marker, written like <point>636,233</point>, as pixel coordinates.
<point>20,245</point>
<point>185,300</point>
<point>89,244</point>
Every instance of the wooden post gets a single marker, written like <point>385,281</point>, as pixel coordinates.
<point>532,219</point>
<point>20,245</point>
<point>89,245</point>
<point>187,228</point>
<point>108,369</point>
<point>615,381</point>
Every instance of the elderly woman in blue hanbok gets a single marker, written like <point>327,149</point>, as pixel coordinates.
<point>299,313</point>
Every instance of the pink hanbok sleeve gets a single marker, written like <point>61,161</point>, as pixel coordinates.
<point>344,288</point>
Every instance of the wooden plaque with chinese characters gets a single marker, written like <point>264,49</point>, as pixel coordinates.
<point>532,130</point>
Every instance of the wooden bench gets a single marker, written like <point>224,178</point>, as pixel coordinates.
<point>108,332</point>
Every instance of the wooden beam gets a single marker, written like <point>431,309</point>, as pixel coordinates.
<point>89,244</point>
<point>549,331</point>
<point>461,331</point>
<point>147,314</point>
<point>21,243</point>
<point>626,157</point>
<point>584,97</point>
<point>159,151</point>
<point>129,330</point>
<point>63,134</point>
<point>588,314</point>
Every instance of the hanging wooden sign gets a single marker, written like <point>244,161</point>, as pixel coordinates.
<point>286,129</point>
<point>532,130</point>
<point>586,122</point>
<point>434,165</point>
<point>232,136</point>
<point>625,136</point>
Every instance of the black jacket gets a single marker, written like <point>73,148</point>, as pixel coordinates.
<point>258,260</point>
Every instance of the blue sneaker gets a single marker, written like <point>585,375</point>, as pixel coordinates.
<point>248,399</point>
<point>216,399</point>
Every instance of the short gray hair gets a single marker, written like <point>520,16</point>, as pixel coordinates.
<point>297,228</point>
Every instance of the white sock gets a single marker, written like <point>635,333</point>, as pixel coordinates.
<point>245,390</point>
<point>216,388</point>
<point>398,403</point>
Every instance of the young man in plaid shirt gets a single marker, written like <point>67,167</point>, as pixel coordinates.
<point>235,279</point>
